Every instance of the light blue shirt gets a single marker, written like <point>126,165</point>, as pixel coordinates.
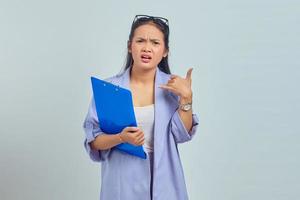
<point>127,177</point>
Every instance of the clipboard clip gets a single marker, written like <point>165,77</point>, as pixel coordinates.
<point>116,89</point>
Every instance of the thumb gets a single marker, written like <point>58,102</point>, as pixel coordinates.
<point>189,74</point>
<point>132,128</point>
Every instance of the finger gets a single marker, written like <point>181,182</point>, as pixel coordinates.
<point>171,81</point>
<point>173,76</point>
<point>169,88</point>
<point>132,129</point>
<point>139,133</point>
<point>140,138</point>
<point>189,74</point>
<point>141,142</point>
<point>165,87</point>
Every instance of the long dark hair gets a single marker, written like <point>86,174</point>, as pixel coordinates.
<point>162,26</point>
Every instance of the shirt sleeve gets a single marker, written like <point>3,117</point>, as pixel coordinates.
<point>92,130</point>
<point>178,129</point>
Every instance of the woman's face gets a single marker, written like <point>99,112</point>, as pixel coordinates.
<point>147,47</point>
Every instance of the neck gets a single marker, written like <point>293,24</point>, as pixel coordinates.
<point>141,76</point>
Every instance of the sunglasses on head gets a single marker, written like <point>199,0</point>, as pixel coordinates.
<point>154,18</point>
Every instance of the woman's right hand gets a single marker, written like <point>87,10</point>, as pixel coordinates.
<point>133,135</point>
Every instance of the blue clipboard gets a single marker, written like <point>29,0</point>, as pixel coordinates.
<point>115,111</point>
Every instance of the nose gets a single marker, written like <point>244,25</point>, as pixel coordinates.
<point>146,47</point>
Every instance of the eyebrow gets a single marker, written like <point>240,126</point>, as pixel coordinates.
<point>150,39</point>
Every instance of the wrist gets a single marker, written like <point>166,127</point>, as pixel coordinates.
<point>121,138</point>
<point>185,99</point>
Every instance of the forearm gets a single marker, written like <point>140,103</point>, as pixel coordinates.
<point>186,117</point>
<point>105,141</point>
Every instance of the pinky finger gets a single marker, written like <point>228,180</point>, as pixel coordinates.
<point>165,87</point>
<point>142,142</point>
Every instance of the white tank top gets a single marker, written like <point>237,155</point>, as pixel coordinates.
<point>145,120</point>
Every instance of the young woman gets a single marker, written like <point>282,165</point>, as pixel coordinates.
<point>163,109</point>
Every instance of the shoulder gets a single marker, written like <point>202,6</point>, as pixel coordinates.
<point>164,76</point>
<point>116,78</point>
<point>111,79</point>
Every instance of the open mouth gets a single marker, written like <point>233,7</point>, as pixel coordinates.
<point>146,58</point>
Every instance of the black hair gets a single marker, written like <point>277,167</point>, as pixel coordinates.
<point>163,27</point>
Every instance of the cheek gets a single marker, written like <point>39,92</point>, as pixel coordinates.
<point>135,49</point>
<point>159,53</point>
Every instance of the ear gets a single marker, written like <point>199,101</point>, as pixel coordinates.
<point>129,46</point>
<point>166,53</point>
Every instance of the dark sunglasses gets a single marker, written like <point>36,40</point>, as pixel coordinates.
<point>154,18</point>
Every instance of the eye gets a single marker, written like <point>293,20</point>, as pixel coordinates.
<point>139,41</point>
<point>156,43</point>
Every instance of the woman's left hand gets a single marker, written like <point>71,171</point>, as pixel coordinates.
<point>180,86</point>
